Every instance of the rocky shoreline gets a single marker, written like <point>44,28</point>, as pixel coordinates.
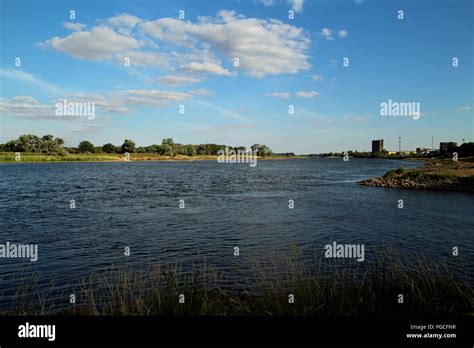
<point>436,175</point>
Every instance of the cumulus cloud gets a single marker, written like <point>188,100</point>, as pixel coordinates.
<point>115,102</point>
<point>309,94</point>
<point>145,59</point>
<point>296,5</point>
<point>74,26</point>
<point>326,33</point>
<point>343,33</point>
<point>176,81</point>
<point>98,44</point>
<point>281,95</point>
<point>264,47</point>
<point>26,107</point>
<point>207,68</point>
<point>124,20</point>
<point>464,108</point>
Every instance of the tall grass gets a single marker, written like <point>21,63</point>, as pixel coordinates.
<point>319,289</point>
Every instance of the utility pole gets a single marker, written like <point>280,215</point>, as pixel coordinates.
<point>400,145</point>
<point>463,140</point>
<point>432,142</point>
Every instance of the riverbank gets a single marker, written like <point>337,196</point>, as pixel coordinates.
<point>434,174</point>
<point>9,157</point>
<point>283,286</point>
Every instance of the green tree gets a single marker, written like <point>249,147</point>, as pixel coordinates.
<point>190,150</point>
<point>109,148</point>
<point>168,141</point>
<point>128,146</point>
<point>86,146</point>
<point>262,150</point>
<point>166,150</point>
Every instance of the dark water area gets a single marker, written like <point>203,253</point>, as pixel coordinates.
<point>136,205</point>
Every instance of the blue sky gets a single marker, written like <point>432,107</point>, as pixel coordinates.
<point>282,62</point>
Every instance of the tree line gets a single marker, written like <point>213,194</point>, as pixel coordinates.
<point>48,144</point>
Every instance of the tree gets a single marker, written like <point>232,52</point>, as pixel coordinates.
<point>86,146</point>
<point>128,146</point>
<point>262,150</point>
<point>29,143</point>
<point>190,150</point>
<point>109,148</point>
<point>168,141</point>
<point>166,150</point>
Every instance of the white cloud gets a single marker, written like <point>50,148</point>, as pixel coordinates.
<point>326,33</point>
<point>110,102</point>
<point>309,94</point>
<point>124,20</point>
<point>29,79</point>
<point>98,44</point>
<point>281,95</point>
<point>464,108</point>
<point>317,77</point>
<point>116,102</point>
<point>200,92</point>
<point>26,107</point>
<point>343,33</point>
<point>207,68</point>
<point>154,97</point>
<point>296,5</point>
<point>264,47</point>
<point>175,81</point>
<point>74,26</point>
<point>145,59</point>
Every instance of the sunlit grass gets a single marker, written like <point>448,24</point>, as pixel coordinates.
<point>428,287</point>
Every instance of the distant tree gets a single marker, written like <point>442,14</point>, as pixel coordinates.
<point>152,149</point>
<point>166,150</point>
<point>201,149</point>
<point>86,146</point>
<point>168,141</point>
<point>262,150</point>
<point>29,143</point>
<point>466,149</point>
<point>109,148</point>
<point>128,146</point>
<point>190,150</point>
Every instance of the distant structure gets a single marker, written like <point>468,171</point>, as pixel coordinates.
<point>423,151</point>
<point>377,146</point>
<point>447,146</point>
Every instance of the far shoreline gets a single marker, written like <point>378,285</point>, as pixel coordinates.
<point>435,174</point>
<point>137,157</point>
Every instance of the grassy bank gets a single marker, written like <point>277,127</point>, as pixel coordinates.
<point>9,157</point>
<point>435,174</point>
<point>428,288</point>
